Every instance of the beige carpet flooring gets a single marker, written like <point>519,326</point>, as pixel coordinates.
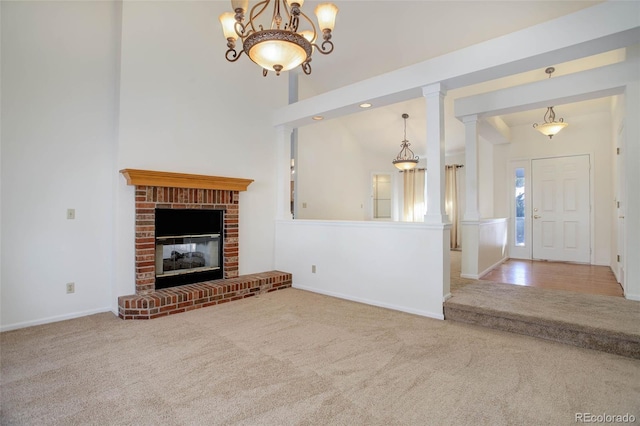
<point>297,358</point>
<point>457,282</point>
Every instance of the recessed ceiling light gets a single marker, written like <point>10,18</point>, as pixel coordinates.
<point>318,117</point>
<point>365,105</point>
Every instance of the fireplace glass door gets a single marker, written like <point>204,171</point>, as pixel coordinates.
<point>189,246</point>
<point>186,254</point>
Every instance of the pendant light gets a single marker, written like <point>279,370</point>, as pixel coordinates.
<point>550,127</point>
<point>406,159</point>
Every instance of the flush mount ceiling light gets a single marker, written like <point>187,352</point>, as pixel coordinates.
<point>283,43</point>
<point>550,127</point>
<point>366,105</point>
<point>406,159</point>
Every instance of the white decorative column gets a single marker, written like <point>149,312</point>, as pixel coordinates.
<point>471,167</point>
<point>436,217</point>
<point>434,95</point>
<point>283,173</point>
<point>471,218</point>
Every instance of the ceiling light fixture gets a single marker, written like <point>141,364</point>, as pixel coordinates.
<point>550,127</point>
<point>317,117</point>
<point>406,159</point>
<point>281,44</point>
<point>365,105</point>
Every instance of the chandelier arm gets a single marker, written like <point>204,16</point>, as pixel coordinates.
<point>232,55</point>
<point>310,21</point>
<point>323,47</point>
<point>403,155</point>
<point>242,30</point>
<point>306,67</point>
<point>253,15</point>
<point>550,115</point>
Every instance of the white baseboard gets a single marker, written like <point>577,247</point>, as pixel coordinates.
<point>470,276</point>
<point>477,276</point>
<point>490,268</point>
<point>439,316</point>
<point>54,319</point>
<point>635,297</point>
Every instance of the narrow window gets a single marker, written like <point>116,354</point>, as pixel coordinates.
<point>382,196</point>
<point>519,207</point>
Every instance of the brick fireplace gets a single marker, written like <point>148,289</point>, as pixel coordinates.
<point>164,190</point>
<point>150,198</point>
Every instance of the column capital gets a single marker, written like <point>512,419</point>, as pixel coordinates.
<point>434,90</point>
<point>284,129</point>
<point>473,118</point>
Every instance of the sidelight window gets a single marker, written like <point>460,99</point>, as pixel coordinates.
<point>519,201</point>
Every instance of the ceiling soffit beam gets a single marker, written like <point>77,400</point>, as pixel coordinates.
<point>606,26</point>
<point>581,86</point>
<point>495,130</point>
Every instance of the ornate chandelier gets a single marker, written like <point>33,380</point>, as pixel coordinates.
<point>285,42</point>
<point>550,127</point>
<point>406,159</point>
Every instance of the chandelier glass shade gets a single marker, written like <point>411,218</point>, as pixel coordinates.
<point>286,41</point>
<point>406,159</point>
<point>550,127</point>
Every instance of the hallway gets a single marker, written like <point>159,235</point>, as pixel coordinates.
<point>586,279</point>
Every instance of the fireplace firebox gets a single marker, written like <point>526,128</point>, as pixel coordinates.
<point>189,246</point>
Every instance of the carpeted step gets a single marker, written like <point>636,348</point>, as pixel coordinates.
<point>603,323</point>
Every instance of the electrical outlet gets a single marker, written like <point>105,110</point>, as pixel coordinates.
<point>304,205</point>
<point>71,214</point>
<point>71,288</point>
<point>313,269</point>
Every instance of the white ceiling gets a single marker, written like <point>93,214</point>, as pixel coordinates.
<point>375,37</point>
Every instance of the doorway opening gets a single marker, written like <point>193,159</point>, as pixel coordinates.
<point>551,209</point>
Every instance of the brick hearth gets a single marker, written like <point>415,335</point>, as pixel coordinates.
<point>175,300</point>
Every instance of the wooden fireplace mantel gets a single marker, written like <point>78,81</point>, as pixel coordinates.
<point>183,180</point>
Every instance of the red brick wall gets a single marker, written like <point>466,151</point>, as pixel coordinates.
<point>148,198</point>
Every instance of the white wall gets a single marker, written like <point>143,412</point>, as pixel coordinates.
<point>59,113</point>
<point>360,261</point>
<point>486,247</point>
<point>90,88</point>
<point>333,174</point>
<point>586,134</point>
<point>184,108</point>
<point>486,178</point>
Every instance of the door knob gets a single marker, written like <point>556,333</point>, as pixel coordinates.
<point>536,216</point>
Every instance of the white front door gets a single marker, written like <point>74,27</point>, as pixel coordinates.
<point>561,209</point>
